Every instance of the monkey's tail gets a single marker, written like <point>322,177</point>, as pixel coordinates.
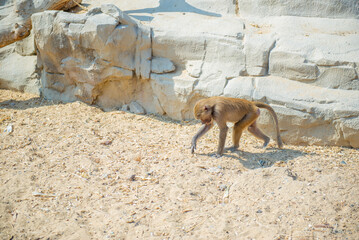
<point>275,118</point>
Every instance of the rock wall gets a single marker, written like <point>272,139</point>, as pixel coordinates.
<point>303,8</point>
<point>306,68</point>
<point>17,48</point>
<point>18,66</point>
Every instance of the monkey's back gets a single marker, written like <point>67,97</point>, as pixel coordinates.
<point>231,109</point>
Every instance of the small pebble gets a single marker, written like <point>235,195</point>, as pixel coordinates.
<point>9,129</point>
<point>222,187</point>
<point>261,162</point>
<point>214,169</point>
<point>133,177</point>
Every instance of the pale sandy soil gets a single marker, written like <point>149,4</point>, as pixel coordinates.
<point>72,171</point>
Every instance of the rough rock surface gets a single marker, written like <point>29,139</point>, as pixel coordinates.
<point>15,22</point>
<point>18,72</point>
<point>304,8</point>
<point>136,108</point>
<point>307,68</point>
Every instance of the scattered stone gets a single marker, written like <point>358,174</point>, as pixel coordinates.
<point>132,178</point>
<point>125,108</point>
<point>9,129</point>
<point>222,187</point>
<point>291,174</point>
<point>214,170</point>
<point>104,176</point>
<point>162,65</point>
<point>106,143</point>
<point>136,108</point>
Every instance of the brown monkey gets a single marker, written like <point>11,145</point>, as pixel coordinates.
<point>242,112</point>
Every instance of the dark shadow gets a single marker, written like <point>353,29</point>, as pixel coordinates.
<point>164,118</point>
<point>173,6</point>
<point>143,18</point>
<point>265,159</point>
<point>35,102</point>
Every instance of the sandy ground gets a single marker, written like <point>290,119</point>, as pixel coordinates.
<point>72,171</point>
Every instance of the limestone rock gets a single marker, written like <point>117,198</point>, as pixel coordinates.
<point>125,108</point>
<point>292,66</point>
<point>194,68</point>
<point>119,15</point>
<point>18,72</point>
<point>26,46</point>
<point>350,128</point>
<point>212,48</point>
<point>306,116</point>
<point>17,24</point>
<point>162,65</point>
<point>158,106</point>
<point>92,51</point>
<point>143,52</point>
<point>305,67</point>
<point>136,108</point>
<point>338,77</point>
<point>304,8</point>
<point>257,48</point>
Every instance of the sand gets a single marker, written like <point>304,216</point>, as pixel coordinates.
<point>73,171</point>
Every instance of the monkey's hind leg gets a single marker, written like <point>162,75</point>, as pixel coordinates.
<point>241,125</point>
<point>258,133</point>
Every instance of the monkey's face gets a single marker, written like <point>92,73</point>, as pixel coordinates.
<point>204,113</point>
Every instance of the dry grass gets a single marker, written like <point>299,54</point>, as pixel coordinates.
<point>72,171</point>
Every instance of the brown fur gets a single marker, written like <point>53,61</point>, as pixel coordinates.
<point>242,112</point>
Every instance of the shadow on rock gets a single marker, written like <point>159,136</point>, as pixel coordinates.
<point>174,6</point>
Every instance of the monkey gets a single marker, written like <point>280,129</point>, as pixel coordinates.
<point>241,112</point>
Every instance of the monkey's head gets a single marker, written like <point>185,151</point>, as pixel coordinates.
<point>204,112</point>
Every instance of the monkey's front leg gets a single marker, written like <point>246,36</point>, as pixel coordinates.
<point>222,140</point>
<point>200,133</point>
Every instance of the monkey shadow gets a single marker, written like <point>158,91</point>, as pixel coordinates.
<point>268,158</point>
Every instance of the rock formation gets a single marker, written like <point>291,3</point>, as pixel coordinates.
<point>305,67</point>
<point>15,26</point>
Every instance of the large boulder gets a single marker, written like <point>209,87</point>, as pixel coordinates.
<point>101,57</point>
<point>18,72</point>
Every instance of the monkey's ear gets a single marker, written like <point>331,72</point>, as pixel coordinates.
<point>207,107</point>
